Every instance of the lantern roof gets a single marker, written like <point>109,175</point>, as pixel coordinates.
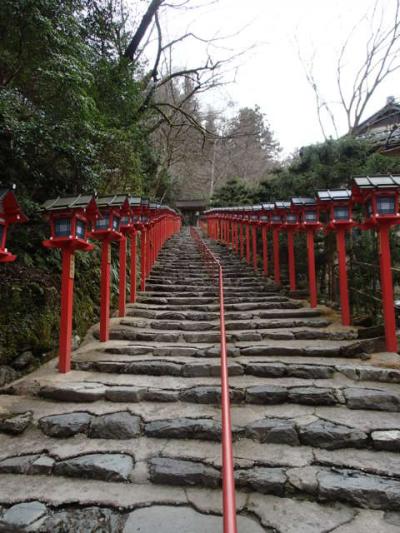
<point>330,195</point>
<point>303,201</point>
<point>282,205</point>
<point>377,182</point>
<point>81,201</point>
<point>145,201</point>
<point>9,206</point>
<point>268,206</point>
<point>116,200</point>
<point>135,201</point>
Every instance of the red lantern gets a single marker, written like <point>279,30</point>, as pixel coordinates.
<point>338,204</point>
<point>308,211</point>
<point>69,218</point>
<point>380,197</point>
<point>10,213</point>
<point>106,229</point>
<point>289,224</point>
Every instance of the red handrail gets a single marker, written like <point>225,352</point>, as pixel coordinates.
<point>228,478</point>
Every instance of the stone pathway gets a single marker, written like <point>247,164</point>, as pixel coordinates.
<point>130,439</point>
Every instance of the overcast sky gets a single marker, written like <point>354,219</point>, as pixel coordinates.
<point>271,74</point>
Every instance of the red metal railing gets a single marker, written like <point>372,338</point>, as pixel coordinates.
<point>228,478</point>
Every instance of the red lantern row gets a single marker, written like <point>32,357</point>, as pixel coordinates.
<point>73,220</point>
<point>379,197</point>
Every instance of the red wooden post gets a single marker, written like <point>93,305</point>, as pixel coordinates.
<point>265,249</point>
<point>122,277</point>
<point>132,295</point>
<point>343,283</point>
<point>387,288</point>
<point>241,237</point>
<point>312,280</point>
<point>67,297</point>
<point>291,260</point>
<point>143,257</point>
<point>237,237</point>
<point>105,290</point>
<point>247,226</point>
<point>254,239</point>
<point>277,267</point>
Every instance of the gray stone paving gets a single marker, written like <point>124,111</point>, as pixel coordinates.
<point>130,439</point>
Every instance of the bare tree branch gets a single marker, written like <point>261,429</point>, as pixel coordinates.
<point>142,28</point>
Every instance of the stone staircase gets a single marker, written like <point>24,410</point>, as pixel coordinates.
<point>130,440</point>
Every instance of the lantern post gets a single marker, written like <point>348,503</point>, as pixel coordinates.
<point>69,218</point>
<point>241,234</point>
<point>127,228</point>
<point>338,204</point>
<point>10,213</point>
<point>308,210</point>
<point>265,225</point>
<point>290,225</point>
<point>254,222</point>
<point>144,224</point>
<point>106,229</point>
<point>246,220</point>
<point>275,224</point>
<point>136,210</point>
<point>380,197</point>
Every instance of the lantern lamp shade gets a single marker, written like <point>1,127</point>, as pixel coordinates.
<point>276,218</point>
<point>291,218</point>
<point>385,205</point>
<point>80,229</point>
<point>102,223</point>
<point>62,227</point>
<point>116,223</point>
<point>310,215</point>
<point>341,212</point>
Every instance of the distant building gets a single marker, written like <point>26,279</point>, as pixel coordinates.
<point>382,129</point>
<point>191,209</point>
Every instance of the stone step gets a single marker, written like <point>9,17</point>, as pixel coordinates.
<point>123,364</point>
<point>136,423</point>
<point>196,300</point>
<point>249,316</point>
<point>151,388</point>
<point>163,323</point>
<point>289,309</point>
<point>161,514</point>
<point>351,486</point>
<point>129,330</point>
<point>204,280</point>
<point>274,348</point>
